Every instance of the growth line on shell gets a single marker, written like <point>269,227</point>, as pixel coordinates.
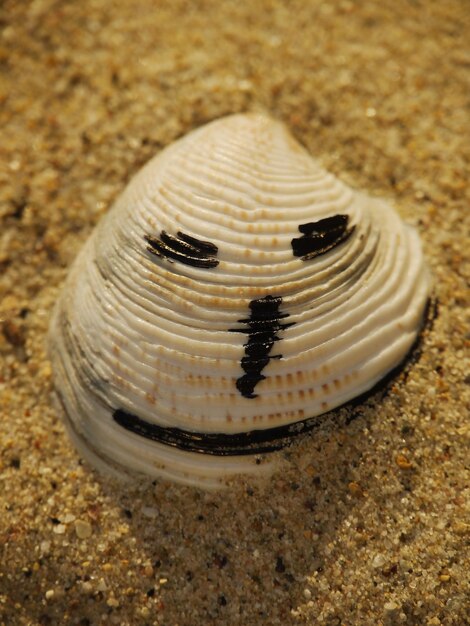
<point>322,236</point>
<point>262,328</point>
<point>183,248</point>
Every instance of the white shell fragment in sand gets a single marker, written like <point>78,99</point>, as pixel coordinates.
<point>234,290</point>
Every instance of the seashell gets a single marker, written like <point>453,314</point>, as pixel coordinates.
<point>234,290</point>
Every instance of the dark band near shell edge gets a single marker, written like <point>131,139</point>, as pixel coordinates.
<point>266,440</point>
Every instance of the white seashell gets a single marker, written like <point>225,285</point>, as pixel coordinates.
<point>234,289</point>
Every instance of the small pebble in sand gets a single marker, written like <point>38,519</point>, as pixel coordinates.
<point>112,602</point>
<point>83,529</point>
<point>355,489</point>
<point>403,462</point>
<point>149,511</point>
<point>148,570</point>
<point>60,529</point>
<point>378,561</point>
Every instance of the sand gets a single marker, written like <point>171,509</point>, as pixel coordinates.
<point>366,524</point>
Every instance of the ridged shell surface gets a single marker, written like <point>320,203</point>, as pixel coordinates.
<point>234,289</point>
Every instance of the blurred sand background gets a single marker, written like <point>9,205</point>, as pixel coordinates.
<point>367,524</point>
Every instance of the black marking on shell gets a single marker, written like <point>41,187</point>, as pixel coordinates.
<point>218,444</point>
<point>183,248</point>
<point>262,328</point>
<point>322,236</point>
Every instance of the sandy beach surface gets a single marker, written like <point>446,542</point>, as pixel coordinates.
<point>367,523</point>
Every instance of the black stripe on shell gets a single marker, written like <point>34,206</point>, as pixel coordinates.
<point>183,248</point>
<point>322,236</point>
<point>218,444</point>
<point>262,327</point>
